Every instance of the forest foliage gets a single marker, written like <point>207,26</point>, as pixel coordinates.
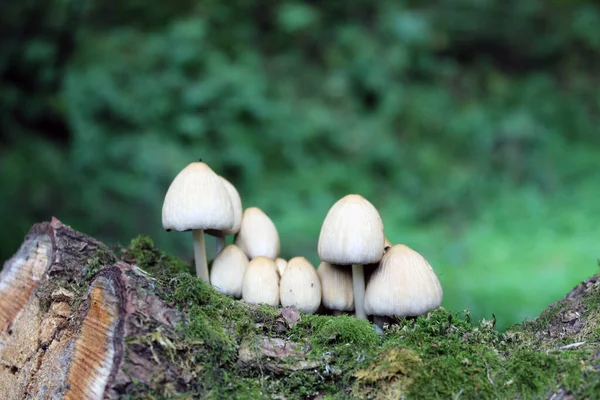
<point>471,125</point>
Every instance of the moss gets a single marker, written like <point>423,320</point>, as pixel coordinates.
<point>141,251</point>
<point>103,258</point>
<point>440,355</point>
<point>389,375</point>
<point>345,330</point>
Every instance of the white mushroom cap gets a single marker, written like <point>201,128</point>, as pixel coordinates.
<point>281,265</point>
<point>228,270</point>
<point>258,235</point>
<point>300,286</point>
<point>236,203</point>
<point>352,232</point>
<point>403,285</point>
<point>336,287</point>
<point>197,199</point>
<point>261,282</point>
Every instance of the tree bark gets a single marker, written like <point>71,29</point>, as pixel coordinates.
<point>76,322</point>
<point>59,341</point>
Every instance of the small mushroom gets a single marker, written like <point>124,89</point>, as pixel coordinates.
<point>352,234</point>
<point>197,200</point>
<point>386,244</point>
<point>281,264</point>
<point>227,272</point>
<point>236,203</point>
<point>258,235</point>
<point>336,287</point>
<point>403,285</point>
<point>300,286</point>
<point>261,282</point>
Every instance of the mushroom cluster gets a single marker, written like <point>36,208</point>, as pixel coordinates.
<point>401,284</point>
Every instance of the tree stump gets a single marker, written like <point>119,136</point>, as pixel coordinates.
<point>58,340</point>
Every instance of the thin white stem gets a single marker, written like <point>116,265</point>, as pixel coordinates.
<point>358,283</point>
<point>200,255</point>
<point>379,321</point>
<point>220,243</point>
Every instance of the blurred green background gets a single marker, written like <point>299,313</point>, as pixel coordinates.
<point>472,125</point>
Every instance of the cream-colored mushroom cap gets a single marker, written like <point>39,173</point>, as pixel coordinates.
<point>352,233</point>
<point>197,199</point>
<point>228,270</point>
<point>261,282</point>
<point>258,235</point>
<point>236,203</point>
<point>403,285</point>
<point>300,286</point>
<point>386,244</point>
<point>281,264</point>
<point>336,287</point>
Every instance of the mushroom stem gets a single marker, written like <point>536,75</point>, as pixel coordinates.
<point>200,255</point>
<point>358,283</point>
<point>336,313</point>
<point>220,243</point>
<point>379,321</point>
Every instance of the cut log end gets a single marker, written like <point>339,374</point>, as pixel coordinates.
<point>98,348</point>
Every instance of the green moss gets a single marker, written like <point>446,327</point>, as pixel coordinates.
<point>389,375</point>
<point>440,355</point>
<point>531,373</point>
<point>141,251</point>
<point>345,330</point>
<point>102,259</point>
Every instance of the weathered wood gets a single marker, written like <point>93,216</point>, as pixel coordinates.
<point>55,343</point>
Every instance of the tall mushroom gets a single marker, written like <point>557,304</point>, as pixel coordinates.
<point>258,235</point>
<point>236,203</point>
<point>300,286</point>
<point>404,284</point>
<point>197,200</point>
<point>352,234</point>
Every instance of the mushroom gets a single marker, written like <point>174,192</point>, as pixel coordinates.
<point>352,234</point>
<point>403,285</point>
<point>336,287</point>
<point>236,203</point>
<point>197,200</point>
<point>261,282</point>
<point>386,244</point>
<point>227,272</point>
<point>300,286</point>
<point>258,235</point>
<point>281,264</point>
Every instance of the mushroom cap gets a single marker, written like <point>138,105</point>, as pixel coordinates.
<point>281,265</point>
<point>352,233</point>
<point>197,199</point>
<point>336,287</point>
<point>403,285</point>
<point>386,244</point>
<point>300,286</point>
<point>228,270</point>
<point>261,282</point>
<point>258,235</point>
<point>236,203</point>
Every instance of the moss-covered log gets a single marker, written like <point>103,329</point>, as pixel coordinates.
<point>79,320</point>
